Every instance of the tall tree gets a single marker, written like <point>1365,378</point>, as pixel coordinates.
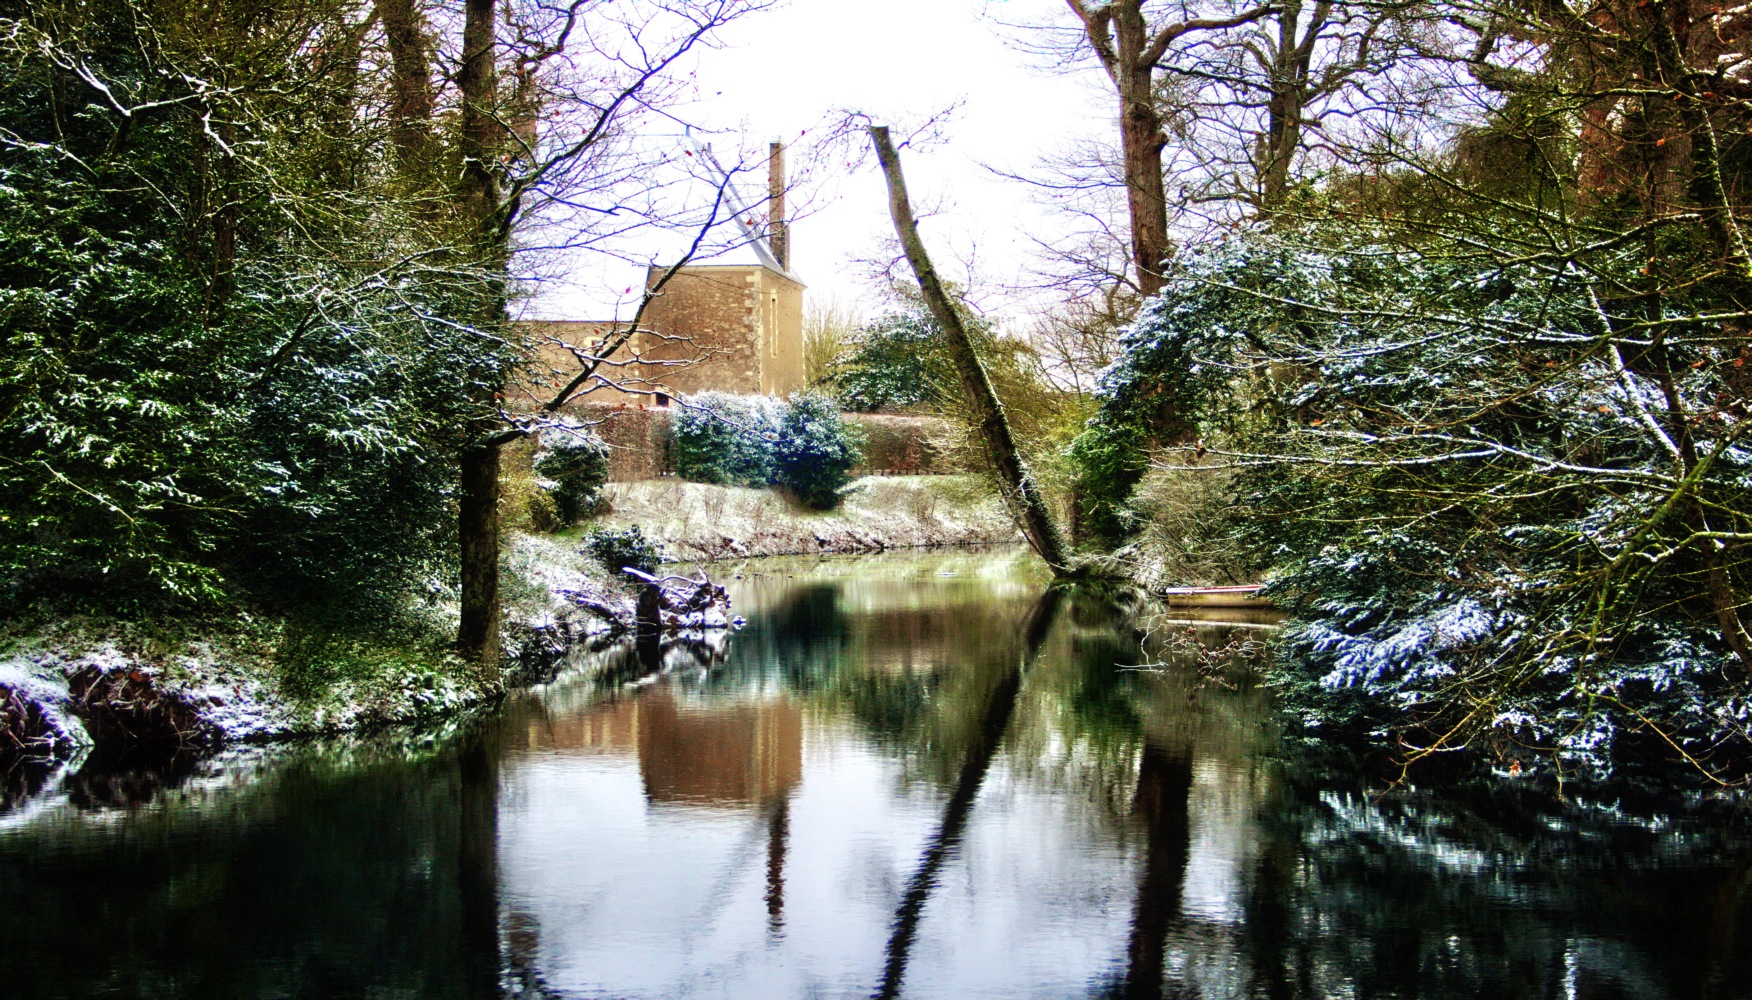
<point>480,138</point>
<point>1130,49</point>
<point>410,105</point>
<point>507,168</point>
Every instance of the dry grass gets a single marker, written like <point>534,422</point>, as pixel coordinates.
<point>1190,530</point>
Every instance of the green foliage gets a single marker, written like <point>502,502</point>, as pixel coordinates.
<point>901,362</point>
<point>526,503</point>
<point>577,462</point>
<point>802,445</point>
<point>1473,481</point>
<point>725,439</point>
<point>895,363</point>
<point>319,653</point>
<point>216,376</point>
<point>627,547</point>
<point>816,450</point>
<point>1107,459</point>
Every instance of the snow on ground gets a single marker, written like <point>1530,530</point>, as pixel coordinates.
<point>701,521</point>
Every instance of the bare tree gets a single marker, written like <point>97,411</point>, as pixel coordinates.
<point>1229,107</point>
<point>1130,49</point>
<point>828,328</point>
<point>1282,78</point>
<point>541,91</point>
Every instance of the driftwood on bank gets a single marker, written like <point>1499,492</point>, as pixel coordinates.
<point>669,603</point>
<point>1020,490</point>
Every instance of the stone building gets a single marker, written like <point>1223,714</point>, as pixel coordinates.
<point>736,327</point>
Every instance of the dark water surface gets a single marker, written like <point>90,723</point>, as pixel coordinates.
<point>912,776</point>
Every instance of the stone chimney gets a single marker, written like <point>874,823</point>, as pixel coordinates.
<point>778,230</point>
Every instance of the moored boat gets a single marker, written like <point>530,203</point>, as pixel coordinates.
<point>1246,596</point>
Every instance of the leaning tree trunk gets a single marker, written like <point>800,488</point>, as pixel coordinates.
<point>478,524</point>
<point>1014,477</point>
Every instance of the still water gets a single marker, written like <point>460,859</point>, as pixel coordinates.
<point>914,776</point>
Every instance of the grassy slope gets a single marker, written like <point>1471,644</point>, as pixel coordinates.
<point>699,521</point>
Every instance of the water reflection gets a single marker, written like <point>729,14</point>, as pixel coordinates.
<point>919,777</point>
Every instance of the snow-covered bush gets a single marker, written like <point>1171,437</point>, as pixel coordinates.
<point>802,444</point>
<point>624,549</point>
<point>1505,503</point>
<point>726,439</point>
<point>816,450</point>
<point>576,462</point>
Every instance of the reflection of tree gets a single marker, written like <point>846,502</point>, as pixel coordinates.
<point>336,870</point>
<point>330,871</point>
<point>993,720</point>
<point>1083,731</point>
<point>778,839</point>
<point>1439,895</point>
<point>477,865</point>
<point>1164,788</point>
<point>911,661</point>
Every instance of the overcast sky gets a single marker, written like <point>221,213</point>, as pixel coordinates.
<point>783,71</point>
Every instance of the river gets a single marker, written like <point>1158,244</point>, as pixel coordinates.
<point>918,776</point>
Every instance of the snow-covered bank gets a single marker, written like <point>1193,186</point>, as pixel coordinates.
<point>697,521</point>
<point>67,684</point>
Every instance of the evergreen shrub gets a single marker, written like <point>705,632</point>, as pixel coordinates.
<point>1470,482</point>
<point>628,547</point>
<point>897,362</point>
<point>803,445</point>
<point>576,461</point>
<point>816,450</point>
<point>726,439</point>
<point>1108,459</point>
<point>199,406</point>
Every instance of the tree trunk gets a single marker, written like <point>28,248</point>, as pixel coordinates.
<point>1014,477</point>
<point>1283,135</point>
<point>477,635</point>
<point>476,80</point>
<point>410,83</point>
<point>1292,87</point>
<point>1141,144</point>
<point>478,525</point>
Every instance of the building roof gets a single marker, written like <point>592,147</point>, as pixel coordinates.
<point>759,238</point>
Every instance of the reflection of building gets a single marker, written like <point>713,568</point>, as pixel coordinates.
<point>733,326</point>
<point>743,754</point>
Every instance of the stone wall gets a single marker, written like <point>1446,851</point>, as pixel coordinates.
<point>737,328</point>
<point>714,312</point>
<point>638,441</point>
<point>638,438</point>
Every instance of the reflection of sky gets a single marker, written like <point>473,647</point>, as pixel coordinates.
<point>1221,812</point>
<point>637,899</point>
<point>1035,906</point>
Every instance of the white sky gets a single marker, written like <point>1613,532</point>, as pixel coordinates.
<point>780,72</point>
